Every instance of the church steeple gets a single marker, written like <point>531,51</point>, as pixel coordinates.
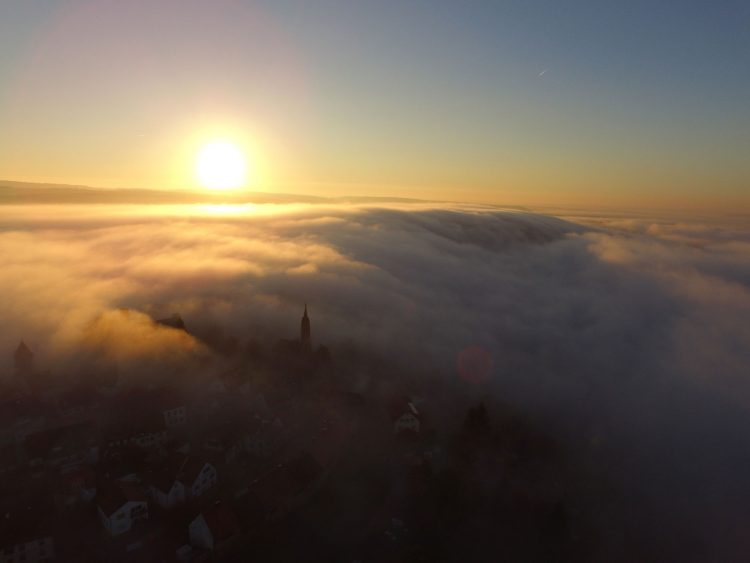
<point>304,336</point>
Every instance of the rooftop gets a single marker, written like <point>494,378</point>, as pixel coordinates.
<point>221,521</point>
<point>113,495</point>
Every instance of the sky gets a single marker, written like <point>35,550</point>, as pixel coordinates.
<point>517,102</point>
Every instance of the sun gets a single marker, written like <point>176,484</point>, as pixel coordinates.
<point>221,165</point>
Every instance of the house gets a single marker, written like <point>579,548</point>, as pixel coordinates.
<point>175,416</point>
<point>120,505</point>
<point>23,426</point>
<point>262,437</point>
<point>227,440</point>
<point>62,448</point>
<point>216,386</point>
<point>31,550</point>
<point>21,416</point>
<point>149,434</point>
<point>26,524</point>
<point>76,405</point>
<point>78,486</point>
<point>183,478</point>
<point>287,486</point>
<point>235,381</point>
<point>405,417</point>
<point>170,403</point>
<point>130,463</point>
<point>215,528</point>
<point>166,490</point>
<point>197,476</point>
<point>328,441</point>
<point>151,412</point>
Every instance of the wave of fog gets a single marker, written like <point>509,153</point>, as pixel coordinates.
<point>630,335</point>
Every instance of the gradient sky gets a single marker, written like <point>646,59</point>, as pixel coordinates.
<point>507,102</point>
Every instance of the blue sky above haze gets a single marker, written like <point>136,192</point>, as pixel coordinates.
<point>650,89</point>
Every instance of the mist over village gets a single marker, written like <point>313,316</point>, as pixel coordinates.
<point>374,282</point>
<point>320,360</point>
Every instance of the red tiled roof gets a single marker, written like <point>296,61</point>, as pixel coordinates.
<point>222,522</point>
<point>113,496</point>
<point>190,470</point>
<point>82,476</point>
<point>164,477</point>
<point>133,492</point>
<point>162,480</point>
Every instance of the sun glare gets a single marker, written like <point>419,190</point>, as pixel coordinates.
<point>221,165</point>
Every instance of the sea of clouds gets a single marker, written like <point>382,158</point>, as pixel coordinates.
<point>628,333</point>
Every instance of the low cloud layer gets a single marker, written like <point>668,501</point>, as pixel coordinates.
<point>629,335</point>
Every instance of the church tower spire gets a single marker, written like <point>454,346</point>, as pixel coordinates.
<point>304,331</point>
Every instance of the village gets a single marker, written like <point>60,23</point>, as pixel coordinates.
<point>95,472</point>
<point>234,468</point>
